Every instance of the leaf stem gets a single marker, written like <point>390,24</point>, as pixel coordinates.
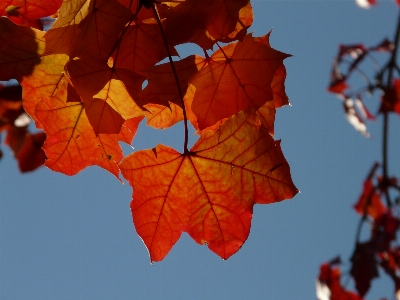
<point>185,120</point>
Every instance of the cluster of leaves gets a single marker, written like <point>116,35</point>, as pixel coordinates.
<point>381,250</point>
<point>82,83</point>
<point>348,62</point>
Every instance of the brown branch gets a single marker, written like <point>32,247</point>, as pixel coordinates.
<point>185,120</point>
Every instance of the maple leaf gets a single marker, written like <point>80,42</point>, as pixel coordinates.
<point>203,21</point>
<point>208,192</point>
<point>364,266</point>
<point>238,77</point>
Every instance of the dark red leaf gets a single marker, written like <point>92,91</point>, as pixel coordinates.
<point>364,266</point>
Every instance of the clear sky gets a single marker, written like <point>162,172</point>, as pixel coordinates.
<point>73,238</point>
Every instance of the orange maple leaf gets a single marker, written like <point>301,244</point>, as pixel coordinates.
<point>208,192</point>
<point>238,77</point>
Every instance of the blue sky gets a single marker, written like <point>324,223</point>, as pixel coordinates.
<point>73,238</point>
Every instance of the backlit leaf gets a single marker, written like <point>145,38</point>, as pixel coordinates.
<point>202,21</point>
<point>208,192</point>
<point>239,81</point>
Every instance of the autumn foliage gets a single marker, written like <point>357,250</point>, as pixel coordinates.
<point>102,66</point>
<point>378,203</point>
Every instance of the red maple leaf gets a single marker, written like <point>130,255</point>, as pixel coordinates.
<point>364,266</point>
<point>239,76</point>
<point>208,192</point>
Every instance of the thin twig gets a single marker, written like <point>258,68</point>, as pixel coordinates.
<point>185,120</point>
